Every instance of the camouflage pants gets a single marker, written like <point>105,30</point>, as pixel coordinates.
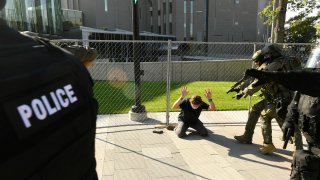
<point>260,109</point>
<point>253,118</point>
<point>266,117</point>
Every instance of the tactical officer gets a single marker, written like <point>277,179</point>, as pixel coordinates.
<point>257,108</point>
<point>278,95</point>
<point>275,61</point>
<point>47,111</point>
<point>304,108</point>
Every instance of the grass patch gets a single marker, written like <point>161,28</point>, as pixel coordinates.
<point>116,97</point>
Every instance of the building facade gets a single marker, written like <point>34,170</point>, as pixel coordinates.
<point>189,20</point>
<point>39,16</point>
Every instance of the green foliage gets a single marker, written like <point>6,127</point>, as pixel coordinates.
<point>302,29</point>
<point>318,29</point>
<point>118,97</point>
<point>269,14</point>
<point>305,6</point>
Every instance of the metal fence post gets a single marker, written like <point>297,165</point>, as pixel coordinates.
<point>168,82</point>
<point>252,66</point>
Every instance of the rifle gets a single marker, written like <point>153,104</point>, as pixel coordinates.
<point>287,138</point>
<point>303,81</point>
<point>232,89</point>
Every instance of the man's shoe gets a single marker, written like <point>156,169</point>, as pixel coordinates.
<point>243,139</point>
<point>267,148</point>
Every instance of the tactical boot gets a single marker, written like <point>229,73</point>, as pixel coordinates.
<point>267,148</point>
<point>245,139</point>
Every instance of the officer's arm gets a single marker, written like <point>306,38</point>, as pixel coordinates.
<point>250,90</point>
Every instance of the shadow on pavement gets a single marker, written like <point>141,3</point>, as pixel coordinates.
<point>237,149</point>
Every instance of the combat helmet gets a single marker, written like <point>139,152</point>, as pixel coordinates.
<point>272,50</point>
<point>84,53</point>
<point>257,56</point>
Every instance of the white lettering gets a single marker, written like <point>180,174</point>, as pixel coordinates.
<point>55,100</point>
<point>25,113</point>
<point>63,102</point>
<point>70,93</point>
<point>48,106</point>
<point>43,106</point>
<point>38,109</point>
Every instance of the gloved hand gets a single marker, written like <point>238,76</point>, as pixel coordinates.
<point>287,125</point>
<point>237,90</point>
<point>261,75</point>
<point>238,96</point>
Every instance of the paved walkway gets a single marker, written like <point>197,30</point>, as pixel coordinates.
<point>130,150</point>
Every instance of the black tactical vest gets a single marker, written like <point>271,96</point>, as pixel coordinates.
<point>309,119</point>
<point>47,112</point>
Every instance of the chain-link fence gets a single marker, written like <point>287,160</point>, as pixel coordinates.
<point>153,72</point>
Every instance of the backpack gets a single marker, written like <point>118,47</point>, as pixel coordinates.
<point>47,113</point>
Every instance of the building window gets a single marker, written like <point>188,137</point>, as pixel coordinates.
<point>191,18</point>
<point>185,19</point>
<point>164,17</point>
<point>106,5</point>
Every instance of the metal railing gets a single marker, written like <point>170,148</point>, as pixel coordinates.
<point>168,65</point>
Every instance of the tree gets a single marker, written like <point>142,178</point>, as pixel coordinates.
<point>302,29</point>
<point>275,13</point>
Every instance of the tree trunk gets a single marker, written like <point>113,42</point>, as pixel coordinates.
<point>280,21</point>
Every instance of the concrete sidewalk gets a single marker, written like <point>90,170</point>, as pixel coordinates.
<point>130,150</point>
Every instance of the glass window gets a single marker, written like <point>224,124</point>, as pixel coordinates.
<point>185,19</point>
<point>106,5</point>
<point>191,18</point>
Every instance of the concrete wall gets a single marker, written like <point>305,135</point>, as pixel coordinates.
<point>229,20</point>
<point>180,71</point>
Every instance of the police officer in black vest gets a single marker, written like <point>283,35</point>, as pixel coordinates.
<point>305,110</point>
<point>47,111</point>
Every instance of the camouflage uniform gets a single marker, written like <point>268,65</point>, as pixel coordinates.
<point>267,106</point>
<point>256,110</point>
<point>273,92</point>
